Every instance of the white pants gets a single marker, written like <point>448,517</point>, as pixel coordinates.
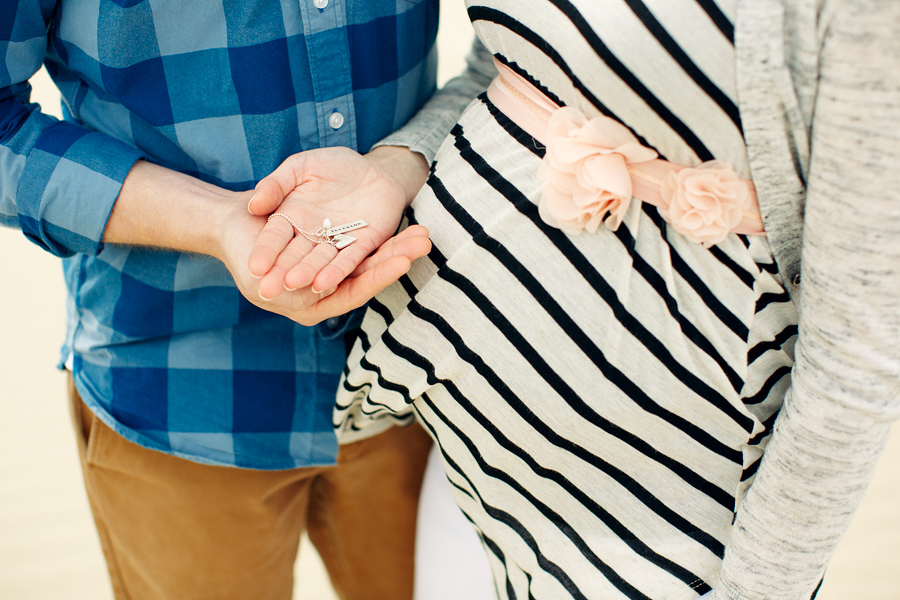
<point>451,563</point>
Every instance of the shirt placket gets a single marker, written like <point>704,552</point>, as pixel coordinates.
<point>325,29</point>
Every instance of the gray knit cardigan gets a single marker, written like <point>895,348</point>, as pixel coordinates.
<point>819,95</point>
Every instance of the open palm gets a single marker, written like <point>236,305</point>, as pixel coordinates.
<point>337,184</point>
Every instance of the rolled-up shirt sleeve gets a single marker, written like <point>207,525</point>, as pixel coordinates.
<point>58,179</point>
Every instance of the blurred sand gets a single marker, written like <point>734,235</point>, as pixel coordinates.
<point>48,546</point>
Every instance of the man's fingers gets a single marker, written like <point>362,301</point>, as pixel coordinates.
<point>272,240</point>
<point>308,308</point>
<point>272,284</point>
<point>354,292</point>
<point>271,190</point>
<point>302,273</point>
<point>351,293</point>
<point>267,197</point>
<point>412,243</point>
<point>342,266</point>
<point>326,293</point>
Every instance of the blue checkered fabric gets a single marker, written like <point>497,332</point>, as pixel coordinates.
<point>162,346</point>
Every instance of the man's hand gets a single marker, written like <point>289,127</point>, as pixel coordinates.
<point>166,209</point>
<point>335,184</point>
<point>240,231</point>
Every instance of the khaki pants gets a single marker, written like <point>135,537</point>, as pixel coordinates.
<point>172,529</point>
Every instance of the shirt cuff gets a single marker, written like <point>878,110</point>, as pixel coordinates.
<point>68,187</point>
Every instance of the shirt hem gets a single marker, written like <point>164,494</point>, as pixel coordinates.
<point>137,438</point>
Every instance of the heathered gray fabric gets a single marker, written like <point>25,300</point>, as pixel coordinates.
<point>427,129</point>
<point>819,88</point>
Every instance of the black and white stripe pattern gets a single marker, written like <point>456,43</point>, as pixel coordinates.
<point>602,400</point>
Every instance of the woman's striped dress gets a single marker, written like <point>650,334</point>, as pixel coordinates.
<point>602,400</point>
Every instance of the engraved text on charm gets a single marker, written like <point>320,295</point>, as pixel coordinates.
<point>326,234</point>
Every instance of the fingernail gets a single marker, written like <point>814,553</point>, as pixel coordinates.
<point>263,297</point>
<point>314,290</point>
<point>290,289</point>
<point>250,210</point>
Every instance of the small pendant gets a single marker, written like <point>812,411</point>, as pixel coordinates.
<point>341,241</point>
<point>333,231</point>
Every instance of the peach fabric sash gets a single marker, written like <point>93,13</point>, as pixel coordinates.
<point>594,167</point>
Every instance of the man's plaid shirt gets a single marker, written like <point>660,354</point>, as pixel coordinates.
<point>162,346</point>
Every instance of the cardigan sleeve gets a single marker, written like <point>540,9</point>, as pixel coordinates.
<point>426,131</point>
<point>845,388</point>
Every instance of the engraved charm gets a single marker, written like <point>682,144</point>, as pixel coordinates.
<point>341,241</point>
<point>334,235</point>
<point>333,231</point>
<point>326,234</point>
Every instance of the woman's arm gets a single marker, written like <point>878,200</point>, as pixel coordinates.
<point>846,380</point>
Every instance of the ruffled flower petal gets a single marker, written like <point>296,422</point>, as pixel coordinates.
<point>607,172</point>
<point>588,182</point>
<point>565,153</point>
<point>585,166</point>
<point>704,203</point>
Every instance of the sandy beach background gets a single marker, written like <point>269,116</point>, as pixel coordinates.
<point>48,546</point>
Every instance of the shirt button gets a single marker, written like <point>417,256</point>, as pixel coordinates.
<point>336,119</point>
<point>332,323</point>
<point>320,3</point>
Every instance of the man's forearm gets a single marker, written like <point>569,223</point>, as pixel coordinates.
<point>164,208</point>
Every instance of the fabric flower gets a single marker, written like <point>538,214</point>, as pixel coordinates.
<point>586,171</point>
<point>704,203</point>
